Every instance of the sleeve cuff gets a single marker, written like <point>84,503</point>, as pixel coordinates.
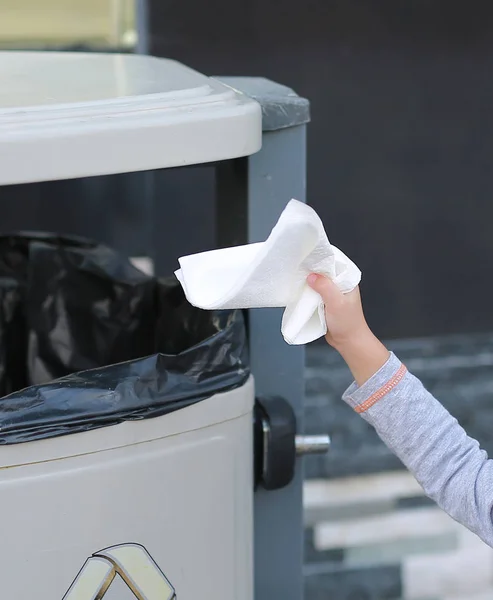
<point>377,387</point>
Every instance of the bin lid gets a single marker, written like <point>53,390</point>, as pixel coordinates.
<point>67,115</point>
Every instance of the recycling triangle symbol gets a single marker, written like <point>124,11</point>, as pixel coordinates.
<point>132,563</point>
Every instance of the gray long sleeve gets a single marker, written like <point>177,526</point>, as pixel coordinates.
<point>449,465</point>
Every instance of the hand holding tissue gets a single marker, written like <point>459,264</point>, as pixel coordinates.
<point>273,274</point>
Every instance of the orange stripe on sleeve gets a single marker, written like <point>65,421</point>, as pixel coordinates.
<point>383,391</point>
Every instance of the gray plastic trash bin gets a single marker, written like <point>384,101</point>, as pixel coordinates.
<point>153,508</point>
<point>68,116</point>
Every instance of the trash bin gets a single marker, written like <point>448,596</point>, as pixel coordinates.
<point>130,478</point>
<point>176,485</point>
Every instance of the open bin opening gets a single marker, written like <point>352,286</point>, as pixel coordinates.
<point>88,340</point>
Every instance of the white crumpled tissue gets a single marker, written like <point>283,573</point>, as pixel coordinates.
<point>273,274</point>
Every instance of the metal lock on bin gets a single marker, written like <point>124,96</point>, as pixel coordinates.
<point>277,444</point>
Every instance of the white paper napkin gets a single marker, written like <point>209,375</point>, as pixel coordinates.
<point>273,274</point>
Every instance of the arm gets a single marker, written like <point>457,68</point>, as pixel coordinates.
<point>449,465</point>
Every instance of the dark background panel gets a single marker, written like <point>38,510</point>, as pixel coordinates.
<point>401,142</point>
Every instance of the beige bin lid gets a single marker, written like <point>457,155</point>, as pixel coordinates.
<point>67,115</point>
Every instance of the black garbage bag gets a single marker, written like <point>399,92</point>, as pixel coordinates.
<point>87,340</point>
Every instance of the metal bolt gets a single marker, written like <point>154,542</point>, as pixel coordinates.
<point>312,444</point>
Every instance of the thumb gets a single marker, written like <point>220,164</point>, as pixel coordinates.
<point>324,286</point>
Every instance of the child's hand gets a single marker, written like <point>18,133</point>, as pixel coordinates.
<point>348,331</point>
<point>343,312</point>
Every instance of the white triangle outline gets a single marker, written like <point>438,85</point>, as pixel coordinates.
<point>132,563</point>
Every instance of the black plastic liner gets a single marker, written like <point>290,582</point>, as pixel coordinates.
<point>87,340</point>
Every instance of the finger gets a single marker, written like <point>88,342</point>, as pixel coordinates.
<point>324,286</point>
